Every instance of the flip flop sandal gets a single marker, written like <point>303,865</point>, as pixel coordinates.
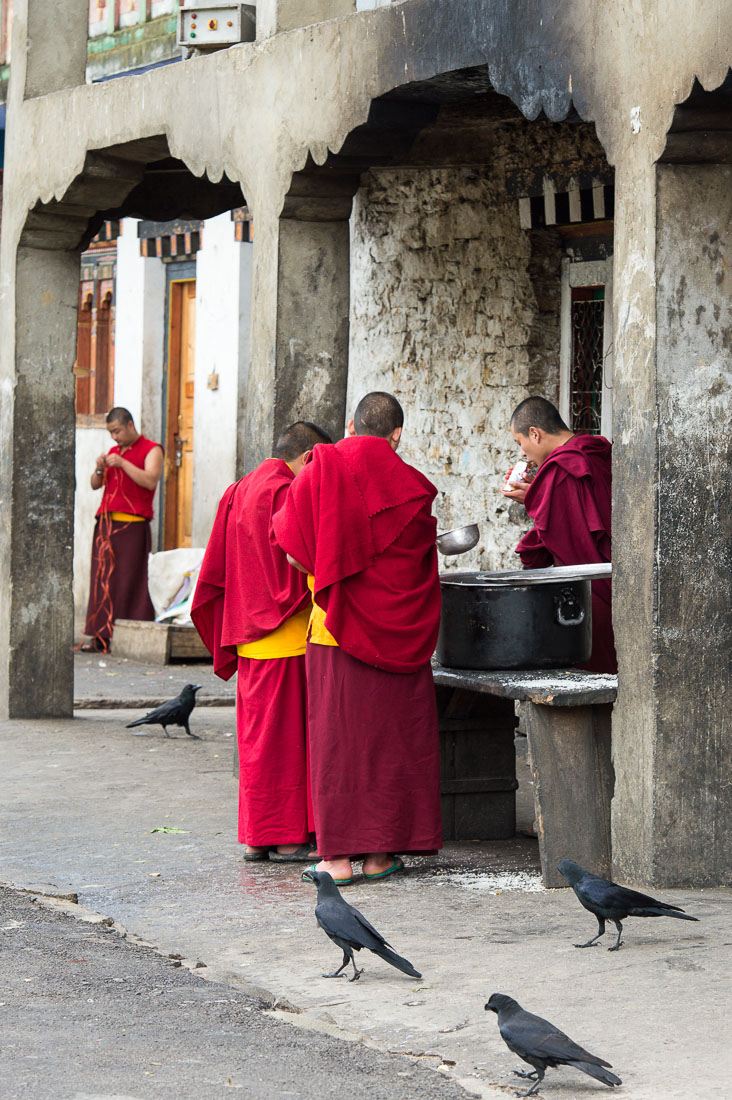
<point>397,865</point>
<point>256,857</point>
<point>303,855</point>
<point>337,881</point>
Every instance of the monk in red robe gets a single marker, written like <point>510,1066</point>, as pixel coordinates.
<point>570,502</point>
<point>252,611</point>
<point>359,521</point>
<point>129,473</point>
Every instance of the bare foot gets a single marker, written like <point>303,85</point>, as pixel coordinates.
<point>338,868</point>
<point>377,862</point>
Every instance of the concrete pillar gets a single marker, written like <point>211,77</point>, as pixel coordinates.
<point>312,324</point>
<point>274,16</point>
<point>569,750</point>
<point>53,38</point>
<point>300,313</point>
<point>37,490</point>
<point>672,729</point>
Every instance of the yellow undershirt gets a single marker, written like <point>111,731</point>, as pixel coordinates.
<point>319,633</point>
<point>288,640</point>
<point>126,517</point>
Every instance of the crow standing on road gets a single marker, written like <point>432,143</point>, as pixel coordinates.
<point>541,1044</point>
<point>608,901</point>
<point>175,712</point>
<point>349,929</point>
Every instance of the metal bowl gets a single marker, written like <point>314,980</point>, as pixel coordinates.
<point>458,541</point>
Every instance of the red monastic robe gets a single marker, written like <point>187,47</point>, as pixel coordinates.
<point>118,584</point>
<point>120,547</point>
<point>359,519</point>
<point>570,502</point>
<point>246,590</point>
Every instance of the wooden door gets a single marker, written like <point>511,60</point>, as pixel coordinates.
<point>179,420</point>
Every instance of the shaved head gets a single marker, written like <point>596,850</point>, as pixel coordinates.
<point>120,415</point>
<point>537,412</point>
<point>378,414</point>
<point>298,438</point>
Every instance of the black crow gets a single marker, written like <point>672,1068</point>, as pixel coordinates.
<point>541,1044</point>
<point>349,929</point>
<point>608,901</point>
<point>175,712</point>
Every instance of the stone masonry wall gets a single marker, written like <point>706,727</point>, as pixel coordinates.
<point>456,310</point>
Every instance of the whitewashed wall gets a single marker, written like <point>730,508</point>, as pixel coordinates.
<point>139,333</point>
<point>223,296</point>
<point>90,442</point>
<point>140,340</point>
<point>138,372</point>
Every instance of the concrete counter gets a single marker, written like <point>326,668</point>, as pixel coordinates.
<point>567,716</point>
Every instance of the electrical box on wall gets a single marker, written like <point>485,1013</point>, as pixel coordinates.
<point>213,26</point>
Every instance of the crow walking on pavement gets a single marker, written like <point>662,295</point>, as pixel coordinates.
<point>175,712</point>
<point>349,929</point>
<point>608,901</point>
<point>543,1045</point>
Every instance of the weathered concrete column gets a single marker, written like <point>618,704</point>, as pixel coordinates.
<point>569,749</point>
<point>672,726</point>
<point>274,16</point>
<point>300,310</point>
<point>56,37</point>
<point>37,491</point>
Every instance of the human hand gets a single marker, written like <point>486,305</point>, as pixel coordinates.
<point>101,462</point>
<point>114,460</point>
<point>517,492</point>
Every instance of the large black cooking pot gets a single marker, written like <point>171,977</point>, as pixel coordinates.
<point>530,618</point>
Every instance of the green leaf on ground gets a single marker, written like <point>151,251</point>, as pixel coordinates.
<point>168,829</point>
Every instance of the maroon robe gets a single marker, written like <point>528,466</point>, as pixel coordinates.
<point>570,502</point>
<point>245,587</point>
<point>245,591</point>
<point>360,520</point>
<point>120,548</point>
<point>118,585</point>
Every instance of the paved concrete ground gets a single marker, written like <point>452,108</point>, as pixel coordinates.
<point>81,800</point>
<point>102,680</point>
<point>90,1016</point>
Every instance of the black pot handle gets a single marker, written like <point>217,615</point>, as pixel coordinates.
<point>568,602</point>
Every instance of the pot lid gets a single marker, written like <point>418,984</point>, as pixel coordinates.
<point>521,578</point>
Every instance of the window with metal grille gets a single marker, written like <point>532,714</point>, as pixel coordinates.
<point>586,368</point>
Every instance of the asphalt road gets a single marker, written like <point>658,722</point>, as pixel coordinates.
<point>87,1015</point>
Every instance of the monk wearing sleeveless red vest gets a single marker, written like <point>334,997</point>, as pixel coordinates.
<point>252,610</point>
<point>359,521</point>
<point>569,501</point>
<point>129,473</point>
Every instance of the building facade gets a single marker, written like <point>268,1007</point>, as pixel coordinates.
<point>463,202</point>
